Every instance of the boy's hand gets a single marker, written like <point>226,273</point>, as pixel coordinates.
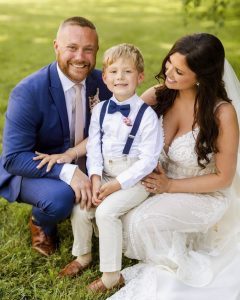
<point>108,188</point>
<point>96,184</point>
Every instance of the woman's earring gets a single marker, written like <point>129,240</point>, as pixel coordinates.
<point>197,84</point>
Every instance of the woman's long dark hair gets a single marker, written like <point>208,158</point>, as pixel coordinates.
<point>205,57</point>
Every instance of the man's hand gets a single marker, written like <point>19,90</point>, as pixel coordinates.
<point>108,188</point>
<point>81,186</point>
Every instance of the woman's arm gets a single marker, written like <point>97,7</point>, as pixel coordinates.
<point>149,96</point>
<point>226,160</point>
<point>67,157</point>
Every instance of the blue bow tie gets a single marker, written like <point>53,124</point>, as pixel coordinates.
<point>123,109</point>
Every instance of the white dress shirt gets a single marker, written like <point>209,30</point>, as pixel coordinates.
<point>146,146</point>
<point>67,171</point>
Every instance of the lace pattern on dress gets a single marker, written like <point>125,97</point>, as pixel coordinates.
<point>179,232</point>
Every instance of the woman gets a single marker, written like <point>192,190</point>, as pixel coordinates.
<point>186,232</point>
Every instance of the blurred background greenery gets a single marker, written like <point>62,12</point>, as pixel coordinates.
<point>27,29</point>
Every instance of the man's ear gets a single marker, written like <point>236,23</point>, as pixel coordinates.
<point>55,46</point>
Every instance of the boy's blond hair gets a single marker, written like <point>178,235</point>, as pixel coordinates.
<point>127,51</point>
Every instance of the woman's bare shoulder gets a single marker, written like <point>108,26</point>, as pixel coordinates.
<point>226,115</point>
<point>225,110</point>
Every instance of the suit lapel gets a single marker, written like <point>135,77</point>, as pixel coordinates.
<point>57,93</point>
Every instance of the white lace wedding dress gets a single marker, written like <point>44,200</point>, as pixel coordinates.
<point>188,243</point>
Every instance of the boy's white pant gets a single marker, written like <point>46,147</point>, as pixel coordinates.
<point>108,220</point>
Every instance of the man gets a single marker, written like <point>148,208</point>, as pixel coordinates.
<point>39,118</point>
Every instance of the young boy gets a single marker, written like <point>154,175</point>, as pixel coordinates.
<point>125,140</point>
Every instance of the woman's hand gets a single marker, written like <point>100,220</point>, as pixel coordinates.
<point>157,182</point>
<point>52,159</point>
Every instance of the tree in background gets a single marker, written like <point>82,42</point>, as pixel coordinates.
<point>212,10</point>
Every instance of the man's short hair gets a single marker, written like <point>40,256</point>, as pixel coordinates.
<point>79,21</point>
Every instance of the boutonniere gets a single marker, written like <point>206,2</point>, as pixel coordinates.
<point>127,121</point>
<point>94,100</point>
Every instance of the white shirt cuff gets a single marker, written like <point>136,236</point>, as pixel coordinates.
<point>125,184</point>
<point>95,171</point>
<point>67,172</point>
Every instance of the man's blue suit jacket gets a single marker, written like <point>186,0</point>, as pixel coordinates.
<point>36,120</point>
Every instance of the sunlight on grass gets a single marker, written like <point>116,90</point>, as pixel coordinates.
<point>165,46</point>
<point>40,40</point>
<point>27,29</point>
<point>3,38</point>
<point>5,18</point>
<point>20,2</point>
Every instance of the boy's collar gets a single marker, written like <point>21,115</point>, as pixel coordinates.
<point>132,100</point>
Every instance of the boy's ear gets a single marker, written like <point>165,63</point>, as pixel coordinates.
<point>104,77</point>
<point>140,77</point>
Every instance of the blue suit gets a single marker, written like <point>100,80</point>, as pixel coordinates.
<point>36,120</point>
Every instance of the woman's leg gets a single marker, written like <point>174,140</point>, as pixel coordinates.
<point>152,229</point>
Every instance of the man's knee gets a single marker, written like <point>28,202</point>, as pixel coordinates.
<point>62,204</point>
<point>57,203</point>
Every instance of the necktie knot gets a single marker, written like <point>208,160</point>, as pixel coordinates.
<point>77,88</point>
<point>123,109</point>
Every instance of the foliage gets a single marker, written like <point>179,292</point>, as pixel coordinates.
<point>27,28</point>
<point>214,10</point>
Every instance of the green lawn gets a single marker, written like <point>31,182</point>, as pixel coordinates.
<point>27,28</point>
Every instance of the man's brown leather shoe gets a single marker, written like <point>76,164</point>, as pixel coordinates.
<point>44,244</point>
<point>97,286</point>
<point>72,269</point>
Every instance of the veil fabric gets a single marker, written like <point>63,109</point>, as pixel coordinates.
<point>232,86</point>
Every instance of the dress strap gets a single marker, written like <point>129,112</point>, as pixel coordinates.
<point>218,104</point>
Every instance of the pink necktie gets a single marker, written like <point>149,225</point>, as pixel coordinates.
<point>77,124</point>
<point>79,120</point>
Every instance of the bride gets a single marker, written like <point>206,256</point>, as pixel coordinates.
<point>186,233</point>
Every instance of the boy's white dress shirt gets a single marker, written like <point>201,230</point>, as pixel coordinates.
<point>146,146</point>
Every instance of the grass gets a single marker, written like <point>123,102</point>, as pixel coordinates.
<point>27,275</point>
<point>27,28</point>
